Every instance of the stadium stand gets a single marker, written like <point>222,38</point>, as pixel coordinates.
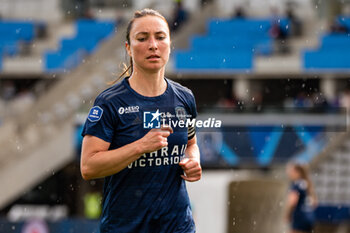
<point>77,65</point>
<point>13,34</point>
<point>71,52</point>
<point>229,45</point>
<point>332,53</point>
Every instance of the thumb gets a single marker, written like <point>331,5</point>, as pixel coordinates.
<point>183,161</point>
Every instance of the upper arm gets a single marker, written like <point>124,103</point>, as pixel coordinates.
<point>92,145</point>
<point>293,198</point>
<point>101,120</point>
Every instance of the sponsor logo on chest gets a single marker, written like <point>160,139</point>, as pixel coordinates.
<point>128,109</point>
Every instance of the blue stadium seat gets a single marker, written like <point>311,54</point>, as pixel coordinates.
<point>204,60</point>
<point>89,33</point>
<point>87,43</point>
<point>97,29</point>
<point>230,44</point>
<point>17,30</point>
<point>335,41</point>
<point>241,26</point>
<point>8,47</point>
<point>332,54</point>
<point>327,59</point>
<point>345,21</point>
<point>58,61</point>
<point>12,33</point>
<point>259,45</point>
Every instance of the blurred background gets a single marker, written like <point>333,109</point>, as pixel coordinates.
<point>277,71</point>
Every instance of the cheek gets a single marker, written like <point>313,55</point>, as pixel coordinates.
<point>139,49</point>
<point>165,48</point>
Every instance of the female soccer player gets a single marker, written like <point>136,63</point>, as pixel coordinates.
<point>132,138</point>
<point>301,199</point>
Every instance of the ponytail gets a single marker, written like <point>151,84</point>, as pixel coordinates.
<point>127,72</point>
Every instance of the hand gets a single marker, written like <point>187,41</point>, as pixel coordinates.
<point>155,139</point>
<point>192,169</point>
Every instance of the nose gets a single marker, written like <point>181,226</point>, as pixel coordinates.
<point>152,44</point>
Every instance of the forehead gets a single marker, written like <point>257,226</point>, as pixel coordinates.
<point>149,24</point>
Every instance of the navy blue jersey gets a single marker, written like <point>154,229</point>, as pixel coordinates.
<point>303,215</point>
<point>149,195</point>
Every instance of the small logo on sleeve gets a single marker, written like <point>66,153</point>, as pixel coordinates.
<point>95,114</point>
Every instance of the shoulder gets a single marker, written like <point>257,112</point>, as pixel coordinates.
<point>112,93</point>
<point>300,185</point>
<point>180,89</point>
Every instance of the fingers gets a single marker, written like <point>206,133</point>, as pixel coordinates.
<point>164,131</point>
<point>192,169</point>
<point>190,179</point>
<point>183,162</point>
<point>167,128</point>
<point>156,139</point>
<point>188,163</point>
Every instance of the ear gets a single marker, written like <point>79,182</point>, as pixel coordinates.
<point>127,47</point>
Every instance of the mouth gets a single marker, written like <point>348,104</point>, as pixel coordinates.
<point>153,57</point>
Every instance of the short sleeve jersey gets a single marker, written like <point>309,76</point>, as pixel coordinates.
<point>149,195</point>
<point>300,187</point>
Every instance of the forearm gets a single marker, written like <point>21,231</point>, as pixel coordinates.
<point>106,163</point>
<point>192,151</point>
<point>289,211</point>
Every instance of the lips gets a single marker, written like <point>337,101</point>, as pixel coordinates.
<point>153,56</point>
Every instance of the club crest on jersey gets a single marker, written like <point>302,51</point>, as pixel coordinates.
<point>180,113</point>
<point>151,120</point>
<point>95,114</point>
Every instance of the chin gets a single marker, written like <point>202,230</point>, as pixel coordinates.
<point>154,67</point>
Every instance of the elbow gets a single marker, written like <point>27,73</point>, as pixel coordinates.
<point>86,173</point>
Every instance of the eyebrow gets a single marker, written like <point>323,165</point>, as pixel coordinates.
<point>146,33</point>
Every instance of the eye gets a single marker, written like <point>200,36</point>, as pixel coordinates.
<point>161,37</point>
<point>141,39</point>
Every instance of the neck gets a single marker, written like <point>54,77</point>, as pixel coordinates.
<point>148,84</point>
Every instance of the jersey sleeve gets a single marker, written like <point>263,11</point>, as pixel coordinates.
<point>295,187</point>
<point>100,121</point>
<point>298,186</point>
<point>193,115</point>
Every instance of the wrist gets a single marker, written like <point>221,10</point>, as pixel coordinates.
<point>138,147</point>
